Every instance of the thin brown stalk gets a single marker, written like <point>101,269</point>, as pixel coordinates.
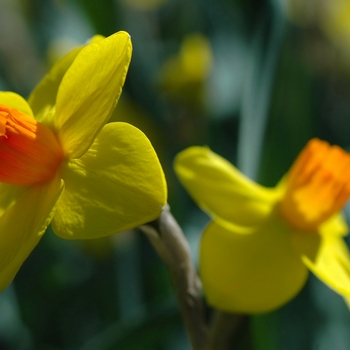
<point>171,245</point>
<point>223,329</point>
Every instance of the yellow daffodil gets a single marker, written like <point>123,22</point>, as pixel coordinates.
<point>61,163</point>
<point>256,253</point>
<point>183,75</point>
<point>192,64</point>
<point>332,17</point>
<point>335,22</point>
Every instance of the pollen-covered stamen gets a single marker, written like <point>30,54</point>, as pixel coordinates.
<point>318,185</point>
<point>29,151</point>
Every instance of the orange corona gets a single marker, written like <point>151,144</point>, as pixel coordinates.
<point>29,151</point>
<point>318,185</point>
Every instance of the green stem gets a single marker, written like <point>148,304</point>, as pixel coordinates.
<point>261,68</point>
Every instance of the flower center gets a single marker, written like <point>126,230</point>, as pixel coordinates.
<point>318,185</point>
<point>29,151</point>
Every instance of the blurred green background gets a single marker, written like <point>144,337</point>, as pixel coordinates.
<point>253,80</point>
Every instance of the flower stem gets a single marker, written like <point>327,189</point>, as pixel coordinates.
<point>224,327</point>
<point>171,245</point>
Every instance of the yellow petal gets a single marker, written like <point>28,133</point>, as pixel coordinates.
<point>23,224</point>
<point>335,225</point>
<point>96,38</point>
<point>222,190</point>
<point>254,272</point>
<point>332,264</point>
<point>43,97</point>
<point>118,184</point>
<point>13,100</point>
<point>8,195</point>
<point>89,91</point>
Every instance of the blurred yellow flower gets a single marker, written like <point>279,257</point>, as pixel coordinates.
<point>66,165</point>
<point>255,254</point>
<point>335,21</point>
<point>331,16</point>
<point>144,5</point>
<point>184,74</point>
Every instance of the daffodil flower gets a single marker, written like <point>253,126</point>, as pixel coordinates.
<point>183,75</point>
<point>256,253</point>
<point>61,163</point>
